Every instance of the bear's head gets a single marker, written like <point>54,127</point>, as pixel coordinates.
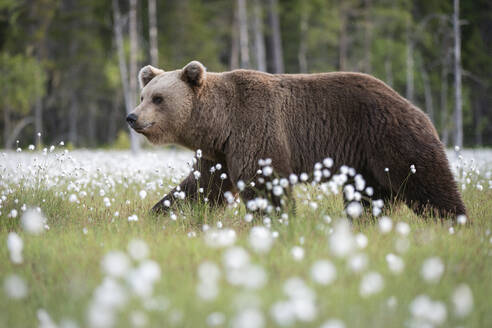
<point>166,101</point>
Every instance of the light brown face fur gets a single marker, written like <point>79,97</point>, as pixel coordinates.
<point>165,105</point>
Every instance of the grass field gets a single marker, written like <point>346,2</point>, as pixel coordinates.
<point>101,260</point>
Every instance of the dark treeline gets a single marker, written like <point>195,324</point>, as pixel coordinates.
<point>68,67</point>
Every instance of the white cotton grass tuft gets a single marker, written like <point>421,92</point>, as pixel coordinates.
<point>142,278</point>
<point>385,224</point>
<point>133,218</point>
<point>361,240</point>
<point>371,283</point>
<point>248,318</point>
<point>45,320</point>
<point>354,210</point>
<point>323,272</point>
<point>297,253</point>
<point>432,269</point>
<point>15,246</point>
<point>115,264</point>
<point>461,219</point>
<point>301,303</point>
<point>251,276</point>
<point>403,228</point>
<point>235,257</point>
<point>218,238</point>
<point>142,194</point>
<point>395,263</point>
<point>260,239</point>
<point>333,323</point>
<point>426,312</point>
<point>33,221</point>
<point>15,287</point>
<point>215,319</point>
<point>341,241</point>
<point>357,262</point>
<point>138,249</point>
<point>462,299</point>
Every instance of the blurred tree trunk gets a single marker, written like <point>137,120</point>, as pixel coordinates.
<point>409,64</point>
<point>234,57</point>
<point>444,102</point>
<point>133,51</point>
<point>367,62</point>
<point>133,64</point>
<point>303,29</point>
<point>154,59</point>
<point>429,103</point>
<point>458,101</point>
<point>74,105</point>
<point>72,124</point>
<point>259,39</point>
<point>277,51</point>
<point>342,47</point>
<point>38,121</point>
<point>243,32</point>
<point>127,91</point>
<point>113,117</point>
<point>91,125</point>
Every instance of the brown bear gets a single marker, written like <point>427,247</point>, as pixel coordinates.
<point>237,118</point>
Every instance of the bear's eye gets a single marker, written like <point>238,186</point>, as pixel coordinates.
<point>157,100</point>
<point>141,98</point>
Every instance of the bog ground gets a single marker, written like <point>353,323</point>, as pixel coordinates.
<point>80,249</point>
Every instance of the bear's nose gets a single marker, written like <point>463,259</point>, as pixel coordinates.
<point>131,119</point>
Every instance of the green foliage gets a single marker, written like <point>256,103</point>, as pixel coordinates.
<point>22,81</point>
<point>74,42</point>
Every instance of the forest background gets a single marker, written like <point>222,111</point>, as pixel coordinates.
<point>68,69</point>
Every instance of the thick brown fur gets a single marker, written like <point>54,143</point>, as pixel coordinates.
<point>239,117</point>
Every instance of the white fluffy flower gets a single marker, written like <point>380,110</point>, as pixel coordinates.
<point>323,272</point>
<point>432,269</point>
<point>395,263</point>
<point>15,245</point>
<point>370,284</point>
<point>403,228</point>
<point>333,323</point>
<point>354,210</point>
<point>341,240</point>
<point>133,218</point>
<point>297,253</point>
<point>248,318</point>
<point>220,237</point>
<point>235,258</point>
<point>260,239</point>
<point>462,300</point>
<point>115,263</point>
<point>385,224</point>
<point>15,287</point>
<point>33,221</point>
<point>138,249</point>
<point>426,312</point>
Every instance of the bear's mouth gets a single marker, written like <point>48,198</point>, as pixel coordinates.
<point>143,127</point>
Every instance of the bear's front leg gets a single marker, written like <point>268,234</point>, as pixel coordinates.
<point>212,177</point>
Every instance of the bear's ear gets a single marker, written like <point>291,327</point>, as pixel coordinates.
<point>147,73</point>
<point>194,73</point>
